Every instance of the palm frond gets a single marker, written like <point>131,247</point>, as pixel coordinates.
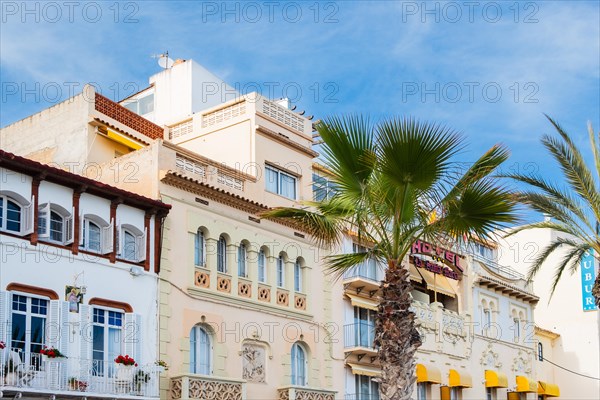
<point>338,264</point>
<point>546,252</point>
<point>572,260</point>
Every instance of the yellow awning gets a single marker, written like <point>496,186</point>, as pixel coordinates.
<point>363,302</point>
<point>548,389</point>
<point>119,138</point>
<point>526,385</point>
<point>495,379</point>
<point>459,379</point>
<point>414,273</point>
<point>428,374</point>
<point>366,370</point>
<point>437,282</point>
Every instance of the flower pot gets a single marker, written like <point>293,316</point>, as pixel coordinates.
<point>125,372</point>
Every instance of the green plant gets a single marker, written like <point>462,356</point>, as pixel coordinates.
<point>163,364</point>
<point>140,378</point>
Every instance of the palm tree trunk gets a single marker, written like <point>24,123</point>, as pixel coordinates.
<point>396,336</point>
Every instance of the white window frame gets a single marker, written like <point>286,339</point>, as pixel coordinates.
<point>28,315</point>
<point>106,235</point>
<point>26,223</point>
<point>279,186</point>
<point>373,388</point>
<point>45,213</point>
<point>222,255</point>
<point>196,349</point>
<point>299,365</point>
<point>107,363</point>
<point>421,391</point>
<point>280,271</point>
<point>262,266</point>
<point>139,250</point>
<point>199,249</point>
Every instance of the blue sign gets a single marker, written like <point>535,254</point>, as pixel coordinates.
<point>588,277</point>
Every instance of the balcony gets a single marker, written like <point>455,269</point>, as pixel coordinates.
<point>358,340</point>
<point>34,374</point>
<point>192,386</point>
<point>304,393</point>
<point>363,278</point>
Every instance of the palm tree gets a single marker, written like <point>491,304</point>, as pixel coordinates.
<point>392,178</point>
<point>574,209</point>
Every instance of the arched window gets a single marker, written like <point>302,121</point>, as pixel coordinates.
<point>91,236</point>
<point>199,249</point>
<point>262,262</point>
<point>129,252</point>
<point>242,264</point>
<point>200,351</point>
<point>280,271</point>
<point>299,365</point>
<point>10,214</point>
<point>222,255</point>
<point>298,276</point>
<point>540,351</point>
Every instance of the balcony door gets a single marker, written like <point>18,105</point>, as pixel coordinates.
<point>364,326</point>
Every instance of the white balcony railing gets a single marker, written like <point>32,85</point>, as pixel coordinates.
<point>21,372</point>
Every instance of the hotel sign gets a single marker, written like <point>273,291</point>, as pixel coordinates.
<point>588,277</point>
<point>437,252</point>
<point>435,268</point>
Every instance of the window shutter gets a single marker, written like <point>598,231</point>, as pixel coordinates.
<point>44,213</point>
<point>118,244</point>
<point>140,246</point>
<point>107,238</point>
<point>69,229</point>
<point>85,339</point>
<point>64,327</point>
<point>81,225</point>
<point>5,317</point>
<point>27,216</point>
<point>133,336</point>
<point>53,324</point>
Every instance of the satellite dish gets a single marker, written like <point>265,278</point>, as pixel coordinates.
<point>165,62</point>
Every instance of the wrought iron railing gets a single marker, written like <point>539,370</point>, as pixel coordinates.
<point>23,370</point>
<point>359,334</point>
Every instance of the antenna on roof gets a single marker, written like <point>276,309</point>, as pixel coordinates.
<point>163,60</point>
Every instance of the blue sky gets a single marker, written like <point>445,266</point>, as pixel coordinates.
<point>488,70</point>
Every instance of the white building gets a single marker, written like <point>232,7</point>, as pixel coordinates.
<point>79,265</point>
<point>573,363</point>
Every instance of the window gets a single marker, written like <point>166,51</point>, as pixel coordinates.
<point>242,256</point>
<point>298,365</point>
<point>368,268</point>
<point>222,255</point>
<point>540,351</point>
<point>107,333</point>
<point>454,393</point>
<point>280,182</point>
<point>517,328</point>
<point>199,249</point>
<point>280,271</point>
<point>91,236</point>
<point>10,214</point>
<point>262,261</point>
<point>323,188</point>
<point>366,388</point>
<point>364,327</point>
<point>28,325</point>
<point>200,351</point>
<point>490,394</point>
<point>484,251</point>
<point>129,252</point>
<point>142,106</point>
<point>297,276</point>
<point>421,391</point>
